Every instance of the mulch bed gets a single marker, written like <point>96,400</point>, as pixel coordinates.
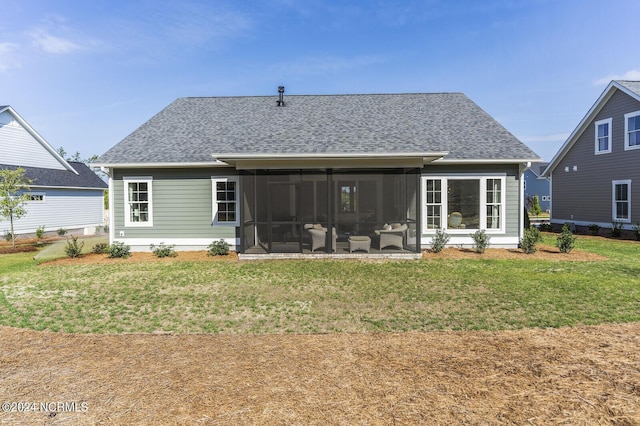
<point>581,375</point>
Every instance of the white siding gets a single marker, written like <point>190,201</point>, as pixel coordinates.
<point>60,209</point>
<point>18,147</point>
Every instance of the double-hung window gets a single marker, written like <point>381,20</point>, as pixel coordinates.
<point>464,202</point>
<point>138,208</point>
<point>621,194</point>
<point>225,201</point>
<point>603,136</point>
<point>632,130</point>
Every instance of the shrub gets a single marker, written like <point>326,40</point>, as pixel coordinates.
<point>616,229</point>
<point>163,251</point>
<point>73,249</point>
<point>119,250</point>
<point>439,241</point>
<point>61,231</point>
<point>545,227</point>
<point>40,231</point>
<point>594,228</point>
<point>8,236</point>
<point>529,240</point>
<point>636,231</point>
<point>566,240</point>
<point>218,248</point>
<point>480,240</point>
<point>105,229</point>
<point>100,248</point>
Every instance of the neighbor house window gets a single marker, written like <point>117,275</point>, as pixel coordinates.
<point>225,201</point>
<point>632,130</point>
<point>36,197</point>
<point>621,209</point>
<point>603,136</point>
<point>463,203</point>
<point>138,209</point>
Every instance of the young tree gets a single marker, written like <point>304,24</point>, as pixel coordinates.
<point>12,203</point>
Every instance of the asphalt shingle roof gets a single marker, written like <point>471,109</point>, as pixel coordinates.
<point>62,178</point>
<point>194,129</point>
<point>634,86</point>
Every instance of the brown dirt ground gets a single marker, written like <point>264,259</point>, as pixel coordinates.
<point>581,375</point>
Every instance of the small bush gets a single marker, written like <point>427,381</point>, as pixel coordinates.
<point>636,231</point>
<point>545,227</point>
<point>529,240</point>
<point>163,251</point>
<point>616,229</point>
<point>8,236</point>
<point>100,248</point>
<point>218,248</point>
<point>105,229</point>
<point>566,240</point>
<point>439,241</point>
<point>73,249</point>
<point>480,240</point>
<point>40,231</point>
<point>61,231</point>
<point>119,250</point>
<point>594,228</point>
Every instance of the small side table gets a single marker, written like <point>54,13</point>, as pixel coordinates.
<point>359,242</point>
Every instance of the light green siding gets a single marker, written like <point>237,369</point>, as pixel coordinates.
<point>181,204</point>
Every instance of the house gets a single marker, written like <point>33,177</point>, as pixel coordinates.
<point>593,173</point>
<point>537,185</point>
<point>383,172</point>
<point>63,194</point>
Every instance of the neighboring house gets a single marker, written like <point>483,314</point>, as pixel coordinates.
<point>260,172</point>
<point>595,178</point>
<point>536,184</point>
<point>62,195</point>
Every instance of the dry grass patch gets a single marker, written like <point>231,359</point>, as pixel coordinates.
<point>582,375</point>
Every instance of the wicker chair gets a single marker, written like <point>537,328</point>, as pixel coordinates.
<point>392,235</point>
<point>319,235</point>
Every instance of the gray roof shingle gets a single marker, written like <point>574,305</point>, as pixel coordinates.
<point>191,130</point>
<point>62,178</point>
<point>634,86</point>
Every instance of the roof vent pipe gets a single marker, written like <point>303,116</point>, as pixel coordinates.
<point>280,96</point>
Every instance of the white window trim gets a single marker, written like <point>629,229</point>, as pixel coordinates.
<point>444,213</point>
<point>44,197</point>
<point>608,121</point>
<point>127,208</point>
<point>626,130</point>
<point>214,200</point>
<point>613,200</point>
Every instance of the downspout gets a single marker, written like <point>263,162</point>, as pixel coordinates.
<point>523,168</point>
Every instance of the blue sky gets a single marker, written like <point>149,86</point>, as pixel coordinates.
<point>85,74</point>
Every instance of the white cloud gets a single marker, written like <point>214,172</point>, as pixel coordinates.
<point>629,75</point>
<point>7,57</point>
<point>557,137</point>
<point>52,44</point>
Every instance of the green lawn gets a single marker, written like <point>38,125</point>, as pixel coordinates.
<point>320,296</point>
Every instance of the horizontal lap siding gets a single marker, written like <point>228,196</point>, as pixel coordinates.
<point>182,205</point>
<point>61,209</point>
<point>585,195</point>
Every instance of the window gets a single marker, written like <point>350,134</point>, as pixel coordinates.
<point>225,201</point>
<point>603,136</point>
<point>463,203</point>
<point>137,203</point>
<point>36,197</point>
<point>621,209</point>
<point>632,130</point>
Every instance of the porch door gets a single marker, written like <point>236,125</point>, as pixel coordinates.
<point>284,217</point>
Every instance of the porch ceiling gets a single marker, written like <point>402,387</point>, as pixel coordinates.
<point>328,161</point>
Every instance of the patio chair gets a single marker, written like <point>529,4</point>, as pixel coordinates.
<point>392,235</point>
<point>319,235</point>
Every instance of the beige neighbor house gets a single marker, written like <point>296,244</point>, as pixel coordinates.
<point>595,178</point>
<point>332,174</point>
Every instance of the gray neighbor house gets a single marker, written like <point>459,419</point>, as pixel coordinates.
<point>536,185</point>
<point>332,174</point>
<point>595,173</point>
<point>64,194</point>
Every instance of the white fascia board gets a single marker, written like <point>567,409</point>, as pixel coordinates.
<point>93,188</point>
<point>159,165</point>
<point>489,161</point>
<point>316,156</point>
<point>40,139</point>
